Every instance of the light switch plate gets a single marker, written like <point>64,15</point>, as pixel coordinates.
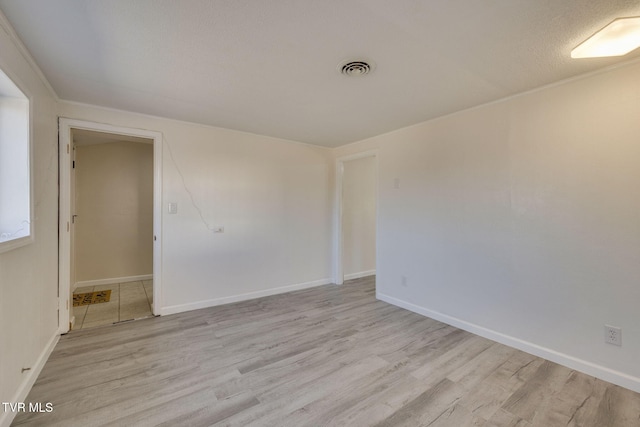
<point>173,208</point>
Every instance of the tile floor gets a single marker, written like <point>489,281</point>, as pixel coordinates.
<point>131,300</point>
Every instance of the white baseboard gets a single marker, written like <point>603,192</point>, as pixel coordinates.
<point>359,275</point>
<point>30,378</point>
<point>173,309</point>
<point>112,280</point>
<point>589,368</point>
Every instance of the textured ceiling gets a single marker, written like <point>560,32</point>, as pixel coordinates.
<point>269,67</point>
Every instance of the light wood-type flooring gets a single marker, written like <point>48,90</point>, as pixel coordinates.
<point>331,355</point>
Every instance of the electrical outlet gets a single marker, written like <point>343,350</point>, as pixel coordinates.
<point>403,281</point>
<point>612,335</point>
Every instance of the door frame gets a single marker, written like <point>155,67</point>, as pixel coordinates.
<point>338,262</point>
<point>65,126</point>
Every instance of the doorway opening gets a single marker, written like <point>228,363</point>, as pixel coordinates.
<point>110,211</point>
<point>356,222</point>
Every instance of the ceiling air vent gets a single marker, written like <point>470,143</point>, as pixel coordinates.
<point>355,68</point>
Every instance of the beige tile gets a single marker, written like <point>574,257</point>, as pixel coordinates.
<point>135,310</point>
<point>125,303</point>
<point>103,313</point>
<point>79,313</point>
<point>96,314</point>
<point>132,297</point>
<point>114,299</point>
<point>129,300</point>
<point>113,286</point>
<point>133,294</point>
<point>133,302</point>
<point>135,314</point>
<point>135,283</point>
<point>149,291</point>
<point>80,310</point>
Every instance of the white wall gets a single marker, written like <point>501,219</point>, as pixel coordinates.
<point>273,198</point>
<point>114,204</point>
<point>359,217</point>
<point>520,220</point>
<point>28,275</point>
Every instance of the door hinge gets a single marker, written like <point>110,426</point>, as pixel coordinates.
<point>67,148</point>
<point>67,226</point>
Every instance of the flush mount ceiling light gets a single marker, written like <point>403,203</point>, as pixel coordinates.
<point>356,68</point>
<point>616,39</point>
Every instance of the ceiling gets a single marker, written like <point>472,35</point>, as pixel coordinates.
<point>270,67</point>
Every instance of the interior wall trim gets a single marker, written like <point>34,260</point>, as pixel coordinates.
<point>242,297</point>
<point>24,52</point>
<point>29,379</point>
<point>616,377</point>
<point>111,280</point>
<point>359,274</point>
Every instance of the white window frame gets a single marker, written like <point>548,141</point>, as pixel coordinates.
<point>9,245</point>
